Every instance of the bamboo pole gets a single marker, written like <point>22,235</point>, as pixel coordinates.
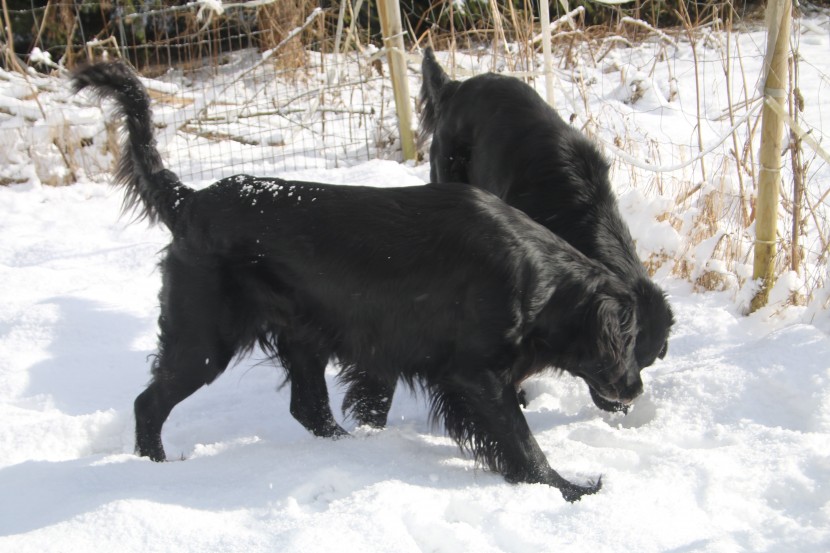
<point>769,157</point>
<point>390,23</point>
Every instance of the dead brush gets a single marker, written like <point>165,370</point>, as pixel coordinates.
<point>277,20</point>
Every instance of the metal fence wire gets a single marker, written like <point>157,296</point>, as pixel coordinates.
<point>265,85</point>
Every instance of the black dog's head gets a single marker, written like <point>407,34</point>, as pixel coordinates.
<point>593,336</point>
<point>654,322</point>
<point>611,368</point>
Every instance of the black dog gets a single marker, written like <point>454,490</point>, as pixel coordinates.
<point>446,288</point>
<point>497,133</point>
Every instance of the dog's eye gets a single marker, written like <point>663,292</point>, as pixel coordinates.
<point>663,351</point>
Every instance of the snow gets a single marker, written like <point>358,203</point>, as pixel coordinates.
<point>727,450</point>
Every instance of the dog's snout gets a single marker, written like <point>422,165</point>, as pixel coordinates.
<point>632,379</point>
<point>630,387</point>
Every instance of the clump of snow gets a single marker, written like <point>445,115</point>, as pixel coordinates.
<point>39,57</point>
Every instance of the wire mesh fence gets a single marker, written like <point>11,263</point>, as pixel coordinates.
<point>270,87</point>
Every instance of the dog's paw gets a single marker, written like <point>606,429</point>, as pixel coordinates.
<point>573,492</point>
<point>337,432</point>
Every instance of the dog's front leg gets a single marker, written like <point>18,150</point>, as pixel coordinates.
<point>484,415</point>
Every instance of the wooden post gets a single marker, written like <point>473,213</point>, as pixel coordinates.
<point>770,159</point>
<point>390,23</point>
<point>544,16</point>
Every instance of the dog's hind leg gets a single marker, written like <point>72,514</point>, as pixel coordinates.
<point>195,345</point>
<point>305,362</point>
<point>483,414</point>
<point>368,399</point>
<point>177,376</point>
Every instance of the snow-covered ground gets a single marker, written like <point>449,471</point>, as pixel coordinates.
<point>727,450</point>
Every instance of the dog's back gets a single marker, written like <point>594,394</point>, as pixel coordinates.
<point>496,133</point>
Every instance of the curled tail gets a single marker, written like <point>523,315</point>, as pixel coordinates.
<point>434,79</point>
<point>153,191</point>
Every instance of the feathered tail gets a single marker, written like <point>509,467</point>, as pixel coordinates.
<point>433,81</point>
<point>153,191</point>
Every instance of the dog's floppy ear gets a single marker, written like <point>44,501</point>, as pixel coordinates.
<point>611,323</point>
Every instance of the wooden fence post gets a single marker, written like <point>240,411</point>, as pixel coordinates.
<point>390,23</point>
<point>770,158</point>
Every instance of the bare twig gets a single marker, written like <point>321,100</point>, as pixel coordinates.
<point>687,23</point>
<point>796,159</point>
